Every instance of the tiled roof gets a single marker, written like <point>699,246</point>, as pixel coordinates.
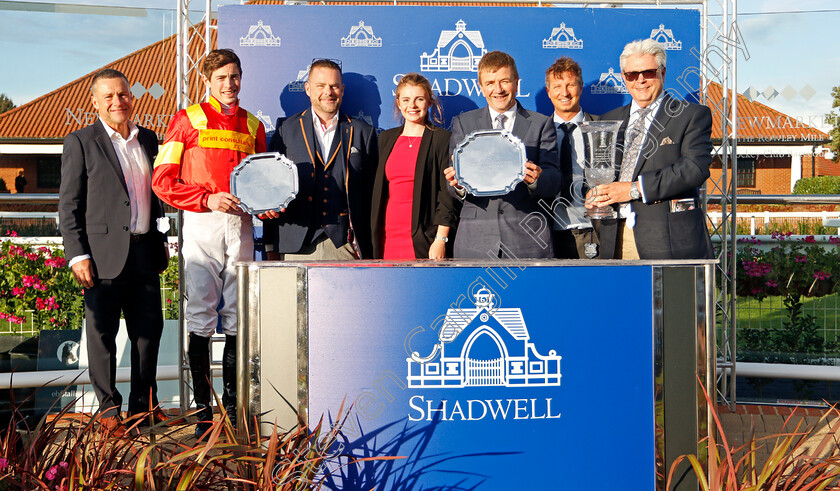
<point>52,116</point>
<point>762,125</point>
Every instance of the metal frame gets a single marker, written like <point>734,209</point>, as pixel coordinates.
<point>188,66</point>
<point>720,44</point>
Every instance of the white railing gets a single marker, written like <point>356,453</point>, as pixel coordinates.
<point>10,220</point>
<point>766,218</point>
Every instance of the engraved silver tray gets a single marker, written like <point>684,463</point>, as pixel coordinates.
<point>489,162</point>
<point>264,181</point>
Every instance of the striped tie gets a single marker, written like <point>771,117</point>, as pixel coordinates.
<point>500,122</point>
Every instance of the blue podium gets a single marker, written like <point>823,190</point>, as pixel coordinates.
<point>484,375</point>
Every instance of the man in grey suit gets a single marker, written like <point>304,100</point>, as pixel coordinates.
<point>108,219</point>
<point>574,237</point>
<point>510,225</point>
<point>666,156</point>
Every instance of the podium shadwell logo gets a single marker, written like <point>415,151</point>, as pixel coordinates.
<point>481,347</point>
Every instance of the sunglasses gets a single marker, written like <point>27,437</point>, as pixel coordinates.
<point>647,74</point>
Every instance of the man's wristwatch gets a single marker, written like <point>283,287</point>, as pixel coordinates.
<point>634,192</point>
<point>440,237</point>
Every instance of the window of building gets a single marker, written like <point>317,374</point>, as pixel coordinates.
<point>746,172</point>
<point>49,171</point>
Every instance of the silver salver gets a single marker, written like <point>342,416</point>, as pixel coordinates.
<point>489,162</point>
<point>264,181</point>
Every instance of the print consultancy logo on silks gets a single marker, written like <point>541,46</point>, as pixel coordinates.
<point>484,346</point>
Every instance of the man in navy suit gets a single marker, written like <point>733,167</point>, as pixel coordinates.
<point>108,216</point>
<point>510,225</point>
<point>574,236</point>
<point>666,152</point>
<point>336,158</point>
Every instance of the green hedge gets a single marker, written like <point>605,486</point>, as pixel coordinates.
<point>818,185</point>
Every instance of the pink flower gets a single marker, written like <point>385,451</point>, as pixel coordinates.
<point>801,258</point>
<point>834,240</point>
<point>52,472</point>
<point>55,262</point>
<point>822,275</point>
<point>3,463</point>
<point>18,291</point>
<point>755,268</point>
<point>11,233</point>
<point>810,239</point>
<point>48,304</point>
<point>771,284</point>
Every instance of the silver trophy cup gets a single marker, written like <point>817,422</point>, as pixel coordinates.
<point>600,165</point>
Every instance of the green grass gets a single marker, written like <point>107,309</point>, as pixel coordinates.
<point>769,313</point>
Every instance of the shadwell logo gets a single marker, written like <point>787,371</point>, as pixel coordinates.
<point>484,346</point>
<point>562,37</point>
<point>456,51</point>
<point>665,37</point>
<point>259,35</point>
<point>299,84</point>
<point>609,83</point>
<point>361,36</point>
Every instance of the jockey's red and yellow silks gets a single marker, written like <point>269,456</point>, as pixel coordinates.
<point>201,148</point>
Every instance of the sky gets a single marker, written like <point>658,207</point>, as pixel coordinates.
<point>787,46</point>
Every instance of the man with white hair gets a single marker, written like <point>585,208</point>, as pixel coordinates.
<point>664,155</point>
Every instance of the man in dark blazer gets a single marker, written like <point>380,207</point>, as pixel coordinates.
<point>574,237</point>
<point>509,225</point>
<point>666,155</point>
<point>109,221</point>
<point>336,158</point>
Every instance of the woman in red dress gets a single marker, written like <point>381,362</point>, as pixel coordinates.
<point>412,211</point>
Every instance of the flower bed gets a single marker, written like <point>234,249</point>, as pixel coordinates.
<point>37,288</point>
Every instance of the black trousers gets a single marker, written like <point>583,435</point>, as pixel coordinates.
<point>135,293</point>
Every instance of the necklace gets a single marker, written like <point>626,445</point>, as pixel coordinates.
<point>411,142</point>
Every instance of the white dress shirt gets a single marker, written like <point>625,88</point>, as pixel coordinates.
<point>324,135</point>
<point>138,180</point>
<point>571,216</point>
<point>511,116</point>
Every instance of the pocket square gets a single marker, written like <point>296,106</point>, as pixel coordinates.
<point>667,141</point>
<point>354,150</point>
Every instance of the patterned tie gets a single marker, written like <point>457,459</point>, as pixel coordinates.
<point>632,147</point>
<point>500,122</point>
<point>566,158</point>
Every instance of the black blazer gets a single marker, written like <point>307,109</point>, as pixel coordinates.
<point>93,208</point>
<point>351,164</point>
<point>674,163</point>
<point>432,205</point>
